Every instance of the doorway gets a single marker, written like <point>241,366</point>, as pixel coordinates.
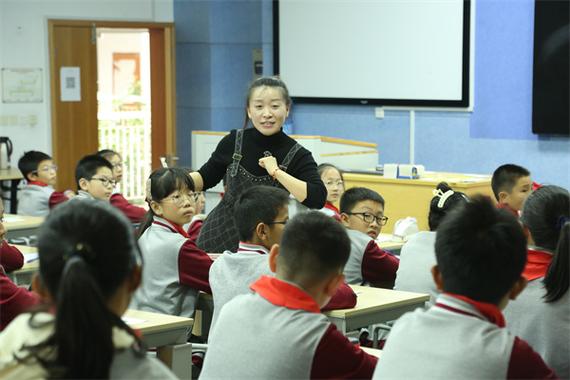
<point>115,106</point>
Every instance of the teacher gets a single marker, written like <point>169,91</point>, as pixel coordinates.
<point>262,155</point>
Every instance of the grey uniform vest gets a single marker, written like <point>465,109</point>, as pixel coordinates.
<point>33,200</point>
<point>353,267</point>
<point>255,339</point>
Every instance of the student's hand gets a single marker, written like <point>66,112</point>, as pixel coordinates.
<point>269,164</point>
<point>69,194</point>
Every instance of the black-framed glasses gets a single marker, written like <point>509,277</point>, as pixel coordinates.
<point>369,218</point>
<point>105,181</point>
<point>284,222</point>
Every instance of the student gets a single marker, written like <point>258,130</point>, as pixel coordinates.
<point>541,314</point>
<point>134,213</point>
<point>89,267</point>
<point>334,182</point>
<point>175,269</point>
<point>13,299</point>
<point>417,256</point>
<point>94,178</point>
<point>278,330</point>
<point>262,155</point>
<point>511,186</point>
<point>481,252</point>
<point>261,214</point>
<point>362,212</point>
<point>38,196</point>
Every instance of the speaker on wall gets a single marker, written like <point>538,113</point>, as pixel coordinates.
<point>551,85</point>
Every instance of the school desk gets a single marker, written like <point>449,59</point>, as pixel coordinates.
<point>14,176</point>
<point>20,225</point>
<point>411,197</point>
<point>23,276</point>
<point>375,305</point>
<point>169,334</point>
<point>372,351</point>
<point>390,243</point>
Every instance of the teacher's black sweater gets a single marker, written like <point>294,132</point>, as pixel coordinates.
<point>302,166</point>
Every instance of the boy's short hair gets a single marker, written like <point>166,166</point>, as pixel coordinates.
<point>107,153</point>
<point>258,204</point>
<point>313,247</point>
<point>355,195</point>
<point>87,167</point>
<point>30,161</point>
<point>505,178</point>
<point>480,250</point>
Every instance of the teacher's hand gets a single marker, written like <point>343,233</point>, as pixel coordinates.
<point>269,164</point>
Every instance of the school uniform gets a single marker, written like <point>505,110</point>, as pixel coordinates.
<point>10,257</point>
<point>135,214</point>
<point>14,300</point>
<point>233,273</point>
<point>417,257</point>
<point>331,210</point>
<point>174,270</point>
<point>368,263</point>
<point>458,338</point>
<point>195,226</point>
<point>125,363</point>
<point>279,332</point>
<point>37,198</point>
<point>544,325</point>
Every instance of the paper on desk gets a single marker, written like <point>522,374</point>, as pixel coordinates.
<point>133,321</point>
<point>12,219</point>
<point>384,237</point>
<point>29,257</point>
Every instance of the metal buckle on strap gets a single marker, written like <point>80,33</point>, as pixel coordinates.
<point>237,157</point>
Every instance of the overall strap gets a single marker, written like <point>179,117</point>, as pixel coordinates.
<point>237,153</point>
<point>289,156</point>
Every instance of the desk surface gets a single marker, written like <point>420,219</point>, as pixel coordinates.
<point>12,173</point>
<point>20,222</point>
<point>32,266</point>
<point>455,180</point>
<point>148,322</point>
<point>376,299</point>
<point>372,351</point>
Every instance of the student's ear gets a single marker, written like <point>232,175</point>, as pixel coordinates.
<point>32,176</point>
<point>437,278</point>
<point>517,288</point>
<point>83,184</point>
<point>273,255</point>
<point>156,208</point>
<point>503,196</point>
<point>39,288</point>
<point>261,231</point>
<point>344,219</point>
<point>333,283</point>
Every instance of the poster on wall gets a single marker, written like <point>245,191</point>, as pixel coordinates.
<point>70,84</point>
<point>22,85</point>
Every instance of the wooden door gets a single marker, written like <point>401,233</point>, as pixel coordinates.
<point>74,123</point>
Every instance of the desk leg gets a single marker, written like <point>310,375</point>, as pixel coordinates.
<point>178,357</point>
<point>14,196</point>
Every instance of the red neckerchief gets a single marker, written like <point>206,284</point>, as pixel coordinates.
<point>173,227</point>
<point>334,209</point>
<point>489,310</point>
<point>249,247</point>
<point>505,206</point>
<point>281,293</point>
<point>537,263</point>
<point>37,183</point>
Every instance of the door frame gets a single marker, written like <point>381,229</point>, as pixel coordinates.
<point>162,71</point>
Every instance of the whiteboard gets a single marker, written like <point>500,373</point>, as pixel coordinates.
<point>387,52</point>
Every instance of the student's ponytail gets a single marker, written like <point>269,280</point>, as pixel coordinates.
<point>557,279</point>
<point>87,252</point>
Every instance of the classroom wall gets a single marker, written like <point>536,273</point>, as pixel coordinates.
<point>24,43</point>
<point>497,131</point>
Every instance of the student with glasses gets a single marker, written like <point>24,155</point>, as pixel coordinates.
<point>261,214</point>
<point>175,268</point>
<point>135,214</point>
<point>38,196</point>
<point>334,182</point>
<point>362,213</point>
<point>94,177</point>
